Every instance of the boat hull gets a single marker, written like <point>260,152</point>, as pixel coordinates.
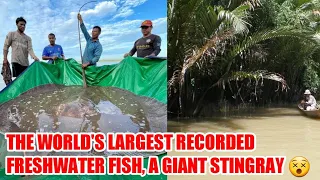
<point>312,114</point>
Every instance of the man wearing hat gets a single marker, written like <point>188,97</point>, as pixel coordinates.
<point>310,102</point>
<point>148,45</point>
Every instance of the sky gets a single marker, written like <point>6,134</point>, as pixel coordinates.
<point>119,20</point>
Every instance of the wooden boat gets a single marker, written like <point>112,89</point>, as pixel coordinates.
<point>313,113</point>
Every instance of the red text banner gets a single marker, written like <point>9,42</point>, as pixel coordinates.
<point>135,165</point>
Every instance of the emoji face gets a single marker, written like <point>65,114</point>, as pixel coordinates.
<point>299,166</point>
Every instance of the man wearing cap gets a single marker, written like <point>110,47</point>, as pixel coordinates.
<point>310,102</point>
<point>148,45</point>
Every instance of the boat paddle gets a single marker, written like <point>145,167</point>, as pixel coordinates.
<point>83,71</point>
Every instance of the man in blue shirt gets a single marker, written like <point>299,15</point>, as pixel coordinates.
<point>53,50</point>
<point>93,50</point>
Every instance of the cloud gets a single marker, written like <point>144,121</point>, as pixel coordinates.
<point>102,9</point>
<point>126,7</point>
<point>124,12</point>
<point>134,3</point>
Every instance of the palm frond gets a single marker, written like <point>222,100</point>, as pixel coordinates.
<point>233,4</point>
<point>256,76</point>
<point>270,34</point>
<point>236,19</point>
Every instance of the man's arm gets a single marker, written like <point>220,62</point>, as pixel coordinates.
<point>311,101</point>
<point>62,53</point>
<point>85,32</point>
<point>46,58</point>
<point>314,102</point>
<point>30,50</point>
<point>7,44</point>
<point>45,55</point>
<point>83,28</point>
<point>156,46</point>
<point>132,51</point>
<point>97,55</point>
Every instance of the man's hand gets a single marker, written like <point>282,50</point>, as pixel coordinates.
<point>126,54</point>
<point>80,18</point>
<point>5,61</point>
<point>150,55</point>
<point>85,65</point>
<point>36,58</point>
<point>54,57</point>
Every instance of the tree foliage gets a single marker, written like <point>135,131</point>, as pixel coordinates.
<point>211,42</point>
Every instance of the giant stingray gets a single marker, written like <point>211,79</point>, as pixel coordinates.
<point>74,109</point>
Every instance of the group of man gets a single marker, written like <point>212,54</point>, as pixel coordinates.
<point>21,44</point>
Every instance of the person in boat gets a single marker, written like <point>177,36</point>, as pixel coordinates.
<point>21,45</point>
<point>148,45</point>
<point>53,51</point>
<point>309,101</point>
<point>93,49</point>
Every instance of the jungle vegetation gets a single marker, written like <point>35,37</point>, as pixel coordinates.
<point>241,51</point>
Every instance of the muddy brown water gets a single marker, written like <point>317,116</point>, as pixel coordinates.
<point>53,108</point>
<point>279,132</point>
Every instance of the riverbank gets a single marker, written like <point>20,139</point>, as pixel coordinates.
<point>226,109</point>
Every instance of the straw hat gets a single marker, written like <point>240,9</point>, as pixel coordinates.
<point>307,92</point>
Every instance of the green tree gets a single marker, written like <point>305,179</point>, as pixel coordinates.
<point>214,43</point>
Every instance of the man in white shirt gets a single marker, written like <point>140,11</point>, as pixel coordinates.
<point>310,101</point>
<point>21,46</point>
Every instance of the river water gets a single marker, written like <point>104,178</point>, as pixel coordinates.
<point>279,132</point>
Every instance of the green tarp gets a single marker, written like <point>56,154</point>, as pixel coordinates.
<point>143,77</point>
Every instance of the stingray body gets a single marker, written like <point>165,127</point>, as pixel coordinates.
<point>73,109</point>
<point>77,108</point>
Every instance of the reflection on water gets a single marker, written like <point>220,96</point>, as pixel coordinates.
<point>279,131</point>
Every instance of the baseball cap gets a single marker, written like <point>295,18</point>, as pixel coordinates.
<point>146,23</point>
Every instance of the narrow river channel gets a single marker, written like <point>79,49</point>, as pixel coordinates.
<point>279,132</point>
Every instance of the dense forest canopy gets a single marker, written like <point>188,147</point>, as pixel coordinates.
<point>241,51</point>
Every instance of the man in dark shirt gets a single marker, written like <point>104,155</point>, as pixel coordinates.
<point>148,45</point>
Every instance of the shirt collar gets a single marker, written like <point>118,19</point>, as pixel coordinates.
<point>20,33</point>
<point>94,40</point>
